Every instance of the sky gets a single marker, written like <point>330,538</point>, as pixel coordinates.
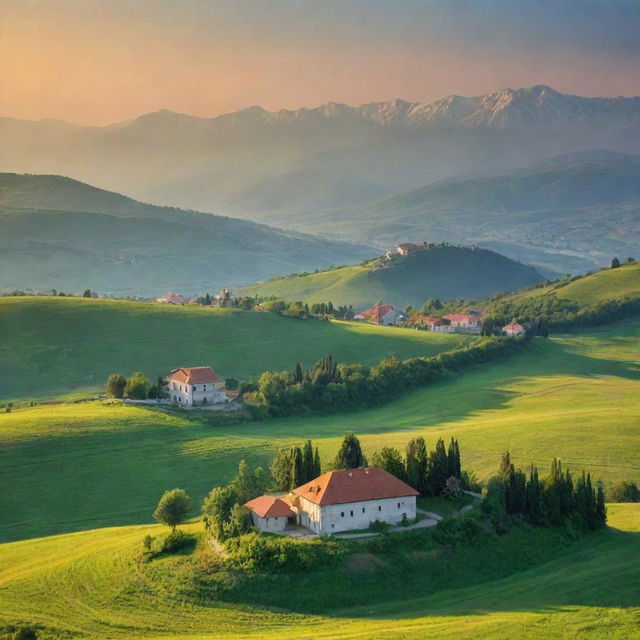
<point>103,61</point>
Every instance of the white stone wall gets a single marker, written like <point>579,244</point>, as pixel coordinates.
<point>194,395</point>
<point>274,524</point>
<point>355,515</point>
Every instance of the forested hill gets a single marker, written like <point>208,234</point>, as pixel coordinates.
<point>60,233</point>
<point>439,271</point>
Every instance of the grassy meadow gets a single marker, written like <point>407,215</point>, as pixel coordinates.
<point>574,397</point>
<point>532,586</point>
<point>61,346</point>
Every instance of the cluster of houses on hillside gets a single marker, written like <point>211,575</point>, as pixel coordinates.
<point>471,322</point>
<point>218,300</point>
<point>337,501</point>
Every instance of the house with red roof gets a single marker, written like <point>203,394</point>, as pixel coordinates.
<point>195,386</point>
<point>340,501</point>
<point>171,298</point>
<point>464,322</point>
<point>514,329</point>
<point>383,314</point>
<point>406,248</point>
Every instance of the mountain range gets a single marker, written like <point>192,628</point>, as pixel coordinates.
<point>461,169</point>
<point>60,233</point>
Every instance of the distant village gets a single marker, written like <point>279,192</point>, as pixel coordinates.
<point>380,314</point>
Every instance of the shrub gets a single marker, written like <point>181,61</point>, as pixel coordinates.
<point>147,543</point>
<point>177,541</point>
<point>25,633</point>
<point>116,385</point>
<point>455,531</point>
<point>379,526</point>
<point>137,386</point>
<point>624,491</point>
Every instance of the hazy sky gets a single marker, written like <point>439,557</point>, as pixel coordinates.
<point>99,61</point>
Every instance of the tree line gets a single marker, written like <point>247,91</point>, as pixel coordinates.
<point>330,387</point>
<point>556,500</point>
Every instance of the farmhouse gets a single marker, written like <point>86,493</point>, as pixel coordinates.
<point>193,386</point>
<point>383,314</point>
<point>338,501</point>
<point>408,247</point>
<point>514,329</point>
<point>464,322</point>
<point>171,298</point>
<point>434,323</point>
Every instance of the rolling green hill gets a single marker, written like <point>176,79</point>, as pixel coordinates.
<point>574,397</point>
<point>444,272</point>
<point>524,586</point>
<point>64,345</point>
<point>59,233</point>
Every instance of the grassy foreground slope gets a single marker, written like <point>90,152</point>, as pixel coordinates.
<point>91,585</point>
<point>62,345</point>
<point>572,397</point>
<point>444,272</point>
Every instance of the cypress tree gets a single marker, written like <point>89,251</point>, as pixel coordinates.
<point>601,509</point>
<point>307,462</point>
<point>316,464</point>
<point>438,469</point>
<point>505,467</point>
<point>297,468</point>
<point>416,464</point>
<point>350,455</point>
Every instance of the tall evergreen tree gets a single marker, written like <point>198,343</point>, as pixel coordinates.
<point>505,467</point>
<point>307,462</point>
<point>389,459</point>
<point>438,469</point>
<point>298,468</point>
<point>316,464</point>
<point>416,461</point>
<point>601,509</point>
<point>350,455</point>
<point>453,459</point>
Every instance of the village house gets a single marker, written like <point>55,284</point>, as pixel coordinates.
<point>408,247</point>
<point>514,329</point>
<point>434,323</point>
<point>171,298</point>
<point>464,322</point>
<point>383,314</point>
<point>195,386</point>
<point>338,501</point>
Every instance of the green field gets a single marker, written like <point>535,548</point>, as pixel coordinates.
<point>90,584</point>
<point>609,284</point>
<point>574,397</point>
<point>56,346</point>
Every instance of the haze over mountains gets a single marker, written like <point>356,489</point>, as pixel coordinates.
<point>374,173</point>
<point>63,234</point>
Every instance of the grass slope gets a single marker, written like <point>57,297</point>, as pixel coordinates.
<point>444,272</point>
<point>60,233</point>
<point>62,345</point>
<point>90,584</point>
<point>571,397</point>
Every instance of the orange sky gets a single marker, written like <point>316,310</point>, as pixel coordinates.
<point>96,62</point>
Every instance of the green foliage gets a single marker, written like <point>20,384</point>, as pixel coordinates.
<point>615,263</point>
<point>231,383</point>
<point>173,508</point>
<point>147,543</point>
<point>456,531</point>
<point>137,387</point>
<point>350,455</point>
<point>223,509</point>
<point>177,541</point>
<point>390,459</point>
<point>624,491</point>
<point>267,553</point>
<point>380,526</point>
<point>557,500</point>
<point>116,385</point>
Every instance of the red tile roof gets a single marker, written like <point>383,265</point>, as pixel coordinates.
<point>513,326</point>
<point>354,485</point>
<point>269,507</point>
<point>377,312</point>
<point>462,317</point>
<point>194,375</point>
<point>172,298</point>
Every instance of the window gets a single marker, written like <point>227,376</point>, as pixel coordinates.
<point>204,387</point>
<point>194,387</point>
<point>351,512</point>
<point>362,509</point>
<point>398,505</point>
<point>333,526</point>
<point>276,518</point>
<point>379,508</point>
<point>342,514</point>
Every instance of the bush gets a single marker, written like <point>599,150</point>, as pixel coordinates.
<point>256,552</point>
<point>624,491</point>
<point>455,531</point>
<point>25,633</point>
<point>378,526</point>
<point>177,541</point>
<point>137,386</point>
<point>147,543</point>
<point>116,385</point>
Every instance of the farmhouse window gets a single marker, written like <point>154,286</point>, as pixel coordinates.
<point>398,505</point>
<point>351,512</point>
<point>362,509</point>
<point>379,508</point>
<point>342,514</point>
